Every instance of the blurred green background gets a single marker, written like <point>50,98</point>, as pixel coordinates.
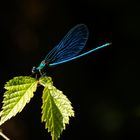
<point>103,86</point>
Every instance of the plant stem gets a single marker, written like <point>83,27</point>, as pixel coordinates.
<point>4,136</point>
<point>54,138</point>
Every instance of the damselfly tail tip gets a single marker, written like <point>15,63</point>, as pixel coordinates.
<point>109,43</point>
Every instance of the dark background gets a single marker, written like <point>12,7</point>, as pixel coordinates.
<point>103,86</point>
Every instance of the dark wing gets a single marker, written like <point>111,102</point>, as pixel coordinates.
<point>70,45</point>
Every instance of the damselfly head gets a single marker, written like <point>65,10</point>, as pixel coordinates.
<point>34,70</point>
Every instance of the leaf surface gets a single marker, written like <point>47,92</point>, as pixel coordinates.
<point>56,108</point>
<point>19,92</point>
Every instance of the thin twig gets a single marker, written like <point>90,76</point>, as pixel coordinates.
<point>3,135</point>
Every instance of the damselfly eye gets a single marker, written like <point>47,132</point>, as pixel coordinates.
<point>34,70</point>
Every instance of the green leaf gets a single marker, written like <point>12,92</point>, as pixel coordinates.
<point>46,80</point>
<point>56,108</point>
<point>19,92</point>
